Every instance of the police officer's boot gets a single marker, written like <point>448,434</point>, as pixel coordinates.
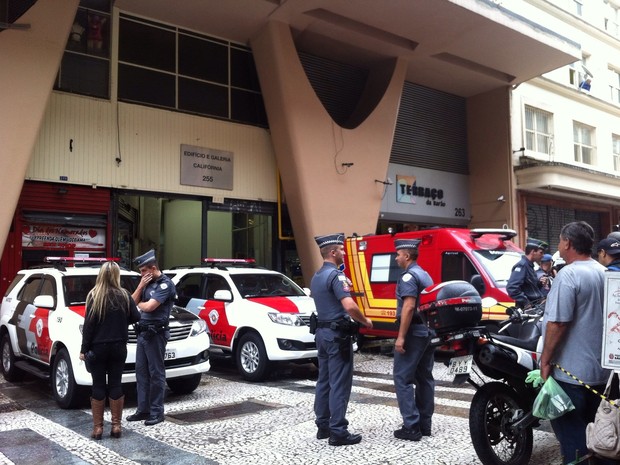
<point>116,407</point>
<point>97,406</point>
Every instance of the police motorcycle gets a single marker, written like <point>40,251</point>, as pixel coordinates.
<point>496,365</point>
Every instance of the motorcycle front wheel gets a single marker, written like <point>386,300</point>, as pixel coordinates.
<point>491,416</point>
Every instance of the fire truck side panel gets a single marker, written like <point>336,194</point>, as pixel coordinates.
<point>370,266</point>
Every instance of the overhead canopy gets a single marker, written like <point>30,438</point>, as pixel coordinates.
<point>464,47</point>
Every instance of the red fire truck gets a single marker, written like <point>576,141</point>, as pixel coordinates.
<point>482,257</point>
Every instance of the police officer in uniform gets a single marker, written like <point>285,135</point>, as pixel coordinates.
<point>335,308</point>
<point>154,297</point>
<point>523,285</point>
<point>413,354</point>
<point>608,251</point>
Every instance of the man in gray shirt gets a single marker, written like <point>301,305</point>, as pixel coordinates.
<point>573,334</point>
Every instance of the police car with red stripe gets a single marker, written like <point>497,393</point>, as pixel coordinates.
<point>41,322</point>
<point>259,316</point>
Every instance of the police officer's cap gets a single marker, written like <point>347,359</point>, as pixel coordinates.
<point>406,243</point>
<point>145,259</point>
<point>610,245</point>
<point>537,243</point>
<point>546,258</point>
<point>329,239</point>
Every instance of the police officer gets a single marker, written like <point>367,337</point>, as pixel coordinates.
<point>523,285</point>
<point>154,297</point>
<point>545,274</point>
<point>413,354</point>
<point>608,251</point>
<point>334,304</point>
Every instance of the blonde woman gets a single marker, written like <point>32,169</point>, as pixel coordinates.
<point>109,310</point>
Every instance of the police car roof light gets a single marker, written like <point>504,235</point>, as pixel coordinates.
<point>244,261</point>
<point>80,259</point>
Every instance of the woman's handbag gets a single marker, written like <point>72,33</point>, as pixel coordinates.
<point>603,435</point>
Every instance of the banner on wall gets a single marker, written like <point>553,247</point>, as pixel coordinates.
<point>62,237</point>
<point>424,195</point>
<point>205,167</point>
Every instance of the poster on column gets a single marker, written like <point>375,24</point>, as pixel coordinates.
<point>610,357</point>
<point>205,167</point>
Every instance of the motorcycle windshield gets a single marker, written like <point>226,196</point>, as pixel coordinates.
<point>498,264</point>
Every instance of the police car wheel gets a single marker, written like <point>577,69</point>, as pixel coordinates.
<point>9,370</point>
<point>66,392</point>
<point>251,357</point>
<point>184,384</point>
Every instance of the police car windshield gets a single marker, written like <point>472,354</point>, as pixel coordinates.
<point>265,285</point>
<point>76,288</point>
<point>498,263</point>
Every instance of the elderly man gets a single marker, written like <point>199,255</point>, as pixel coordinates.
<point>573,335</point>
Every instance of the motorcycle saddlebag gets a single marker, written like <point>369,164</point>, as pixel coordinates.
<point>450,305</point>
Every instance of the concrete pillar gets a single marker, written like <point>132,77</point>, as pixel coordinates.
<point>29,60</point>
<point>323,195</point>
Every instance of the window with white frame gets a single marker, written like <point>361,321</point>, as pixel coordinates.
<point>614,85</point>
<point>584,143</point>
<point>615,142</point>
<point>538,130</point>
<point>578,73</point>
<point>612,20</point>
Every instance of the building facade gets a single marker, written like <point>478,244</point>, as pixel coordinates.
<point>244,128</point>
<point>566,126</point>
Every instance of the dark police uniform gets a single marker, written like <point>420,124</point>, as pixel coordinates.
<point>523,285</point>
<point>151,347</point>
<point>415,366</point>
<point>334,345</point>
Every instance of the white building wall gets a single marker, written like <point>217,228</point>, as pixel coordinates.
<point>79,141</point>
<point>555,93</point>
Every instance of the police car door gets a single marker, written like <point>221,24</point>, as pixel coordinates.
<point>31,322</point>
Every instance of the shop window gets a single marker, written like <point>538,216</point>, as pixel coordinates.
<point>538,130</point>
<point>584,145</point>
<point>85,67</point>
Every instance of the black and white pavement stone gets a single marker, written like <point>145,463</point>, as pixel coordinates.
<point>283,432</point>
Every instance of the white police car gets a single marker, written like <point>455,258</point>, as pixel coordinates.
<point>41,322</point>
<point>257,315</point>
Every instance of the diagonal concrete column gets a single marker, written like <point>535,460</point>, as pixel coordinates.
<point>30,60</point>
<point>323,195</point>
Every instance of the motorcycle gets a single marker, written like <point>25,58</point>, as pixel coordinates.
<point>500,417</point>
